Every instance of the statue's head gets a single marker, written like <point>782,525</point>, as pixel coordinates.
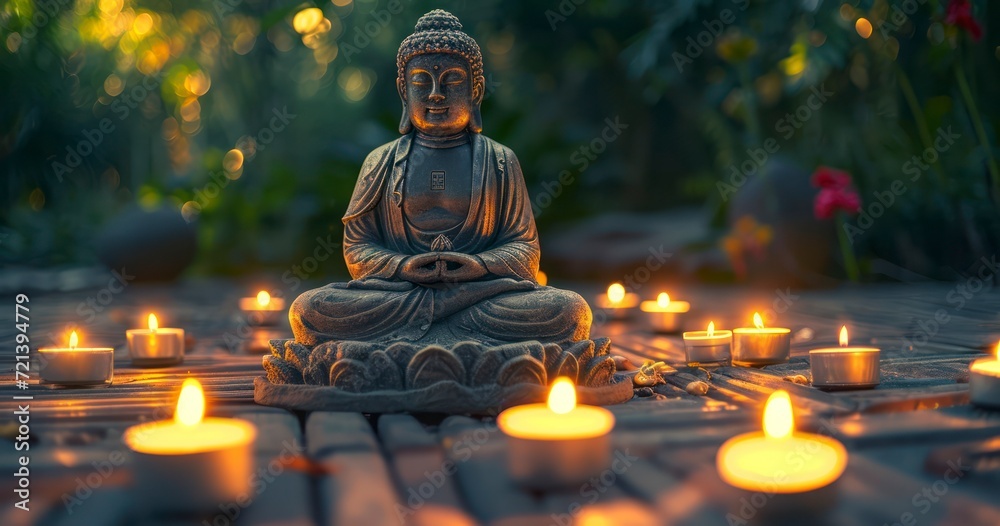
<point>440,77</point>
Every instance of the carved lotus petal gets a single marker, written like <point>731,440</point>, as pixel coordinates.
<point>328,351</point>
<point>316,373</point>
<point>278,347</point>
<point>602,346</point>
<point>468,353</point>
<point>523,369</point>
<point>359,351</point>
<point>385,373</point>
<point>402,353</point>
<point>281,372</point>
<point>297,354</point>
<point>566,366</point>
<point>349,375</point>
<point>583,350</point>
<point>511,350</point>
<point>431,365</point>
<point>488,366</point>
<point>598,371</point>
<point>553,352</point>
<point>536,350</point>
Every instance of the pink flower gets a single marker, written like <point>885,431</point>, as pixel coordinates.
<point>959,13</point>
<point>831,200</point>
<point>826,177</point>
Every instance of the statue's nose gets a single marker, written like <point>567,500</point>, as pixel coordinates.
<point>436,95</point>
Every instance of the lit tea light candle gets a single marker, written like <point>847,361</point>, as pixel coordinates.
<point>845,367</point>
<point>758,346</point>
<point>155,346</point>
<point>192,463</point>
<point>559,443</point>
<point>799,469</point>
<point>75,365</point>
<point>263,309</point>
<point>618,303</point>
<point>984,381</point>
<point>709,346</point>
<point>664,314</point>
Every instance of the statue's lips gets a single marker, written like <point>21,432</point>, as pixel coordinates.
<point>437,111</point>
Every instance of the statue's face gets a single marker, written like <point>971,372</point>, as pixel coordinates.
<point>439,93</point>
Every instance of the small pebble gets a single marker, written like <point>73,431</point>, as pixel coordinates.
<point>624,364</point>
<point>797,379</point>
<point>697,388</point>
<point>644,392</point>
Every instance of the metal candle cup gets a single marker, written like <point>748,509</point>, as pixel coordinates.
<point>664,314</point>
<point>707,347</point>
<point>154,346</point>
<point>76,366</point>
<point>549,449</point>
<point>761,463</point>
<point>984,382</point>
<point>618,309</point>
<point>759,346</point>
<point>263,309</point>
<point>194,466</point>
<point>845,367</point>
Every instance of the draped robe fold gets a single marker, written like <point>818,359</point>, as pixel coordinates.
<point>504,306</point>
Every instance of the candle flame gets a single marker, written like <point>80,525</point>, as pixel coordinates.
<point>153,324</point>
<point>191,403</point>
<point>263,298</point>
<point>663,300</point>
<point>757,321</point>
<point>998,351</point>
<point>711,329</point>
<point>562,397</point>
<point>74,340</point>
<point>616,293</point>
<point>778,419</point>
<point>542,278</point>
<point>843,336</point>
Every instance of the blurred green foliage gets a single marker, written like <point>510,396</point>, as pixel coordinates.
<point>190,90</point>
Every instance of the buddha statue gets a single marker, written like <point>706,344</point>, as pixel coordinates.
<point>441,243</point>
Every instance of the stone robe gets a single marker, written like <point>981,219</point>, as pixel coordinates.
<point>506,305</point>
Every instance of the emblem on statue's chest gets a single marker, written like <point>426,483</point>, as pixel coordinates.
<point>437,180</point>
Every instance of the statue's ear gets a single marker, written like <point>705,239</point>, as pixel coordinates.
<point>478,93</point>
<point>405,126</point>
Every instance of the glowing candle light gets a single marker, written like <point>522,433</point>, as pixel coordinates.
<point>617,302</point>
<point>706,347</point>
<point>845,367</point>
<point>758,345</point>
<point>155,346</point>
<point>262,309</point>
<point>76,366</point>
<point>200,461</point>
<point>665,314</point>
<point>984,380</point>
<point>557,443</point>
<point>763,461</point>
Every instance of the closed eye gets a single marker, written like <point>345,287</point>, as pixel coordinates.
<point>453,76</point>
